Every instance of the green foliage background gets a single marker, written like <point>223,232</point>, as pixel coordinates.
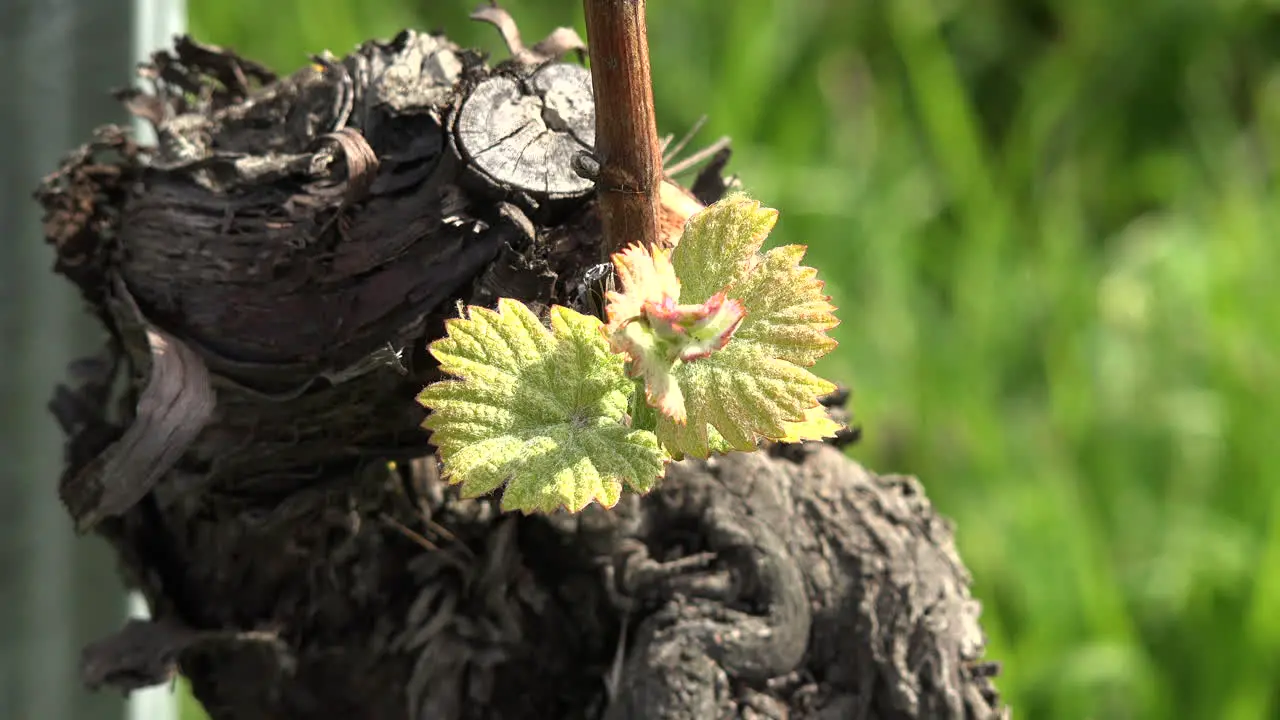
<point>1049,226</point>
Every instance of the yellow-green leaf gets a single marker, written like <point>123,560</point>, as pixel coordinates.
<point>537,411</point>
<point>756,385</point>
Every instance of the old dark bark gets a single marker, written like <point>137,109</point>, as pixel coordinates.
<point>269,277</point>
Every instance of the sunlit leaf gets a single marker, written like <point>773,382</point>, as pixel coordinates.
<point>724,349</point>
<point>538,412</point>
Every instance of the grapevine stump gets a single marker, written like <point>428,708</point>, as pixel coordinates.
<point>248,441</point>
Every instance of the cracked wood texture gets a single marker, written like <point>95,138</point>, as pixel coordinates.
<point>249,443</point>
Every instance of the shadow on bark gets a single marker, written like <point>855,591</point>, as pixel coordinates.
<point>248,438</point>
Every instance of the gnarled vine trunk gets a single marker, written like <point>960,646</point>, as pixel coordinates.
<point>270,275</point>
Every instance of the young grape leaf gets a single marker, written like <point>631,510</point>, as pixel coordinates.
<point>756,384</point>
<point>656,334</point>
<point>816,424</point>
<point>539,410</point>
<point>648,276</point>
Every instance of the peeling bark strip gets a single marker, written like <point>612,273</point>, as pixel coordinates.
<point>146,652</point>
<point>173,408</point>
<point>270,275</point>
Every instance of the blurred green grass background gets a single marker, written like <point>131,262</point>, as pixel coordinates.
<point>1050,227</point>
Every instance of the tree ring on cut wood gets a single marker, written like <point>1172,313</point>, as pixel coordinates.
<point>524,133</point>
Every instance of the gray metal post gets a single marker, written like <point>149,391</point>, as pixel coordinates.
<point>57,591</point>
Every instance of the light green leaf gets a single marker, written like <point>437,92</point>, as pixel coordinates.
<point>756,385</point>
<point>744,395</point>
<point>540,411</point>
<point>719,246</point>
